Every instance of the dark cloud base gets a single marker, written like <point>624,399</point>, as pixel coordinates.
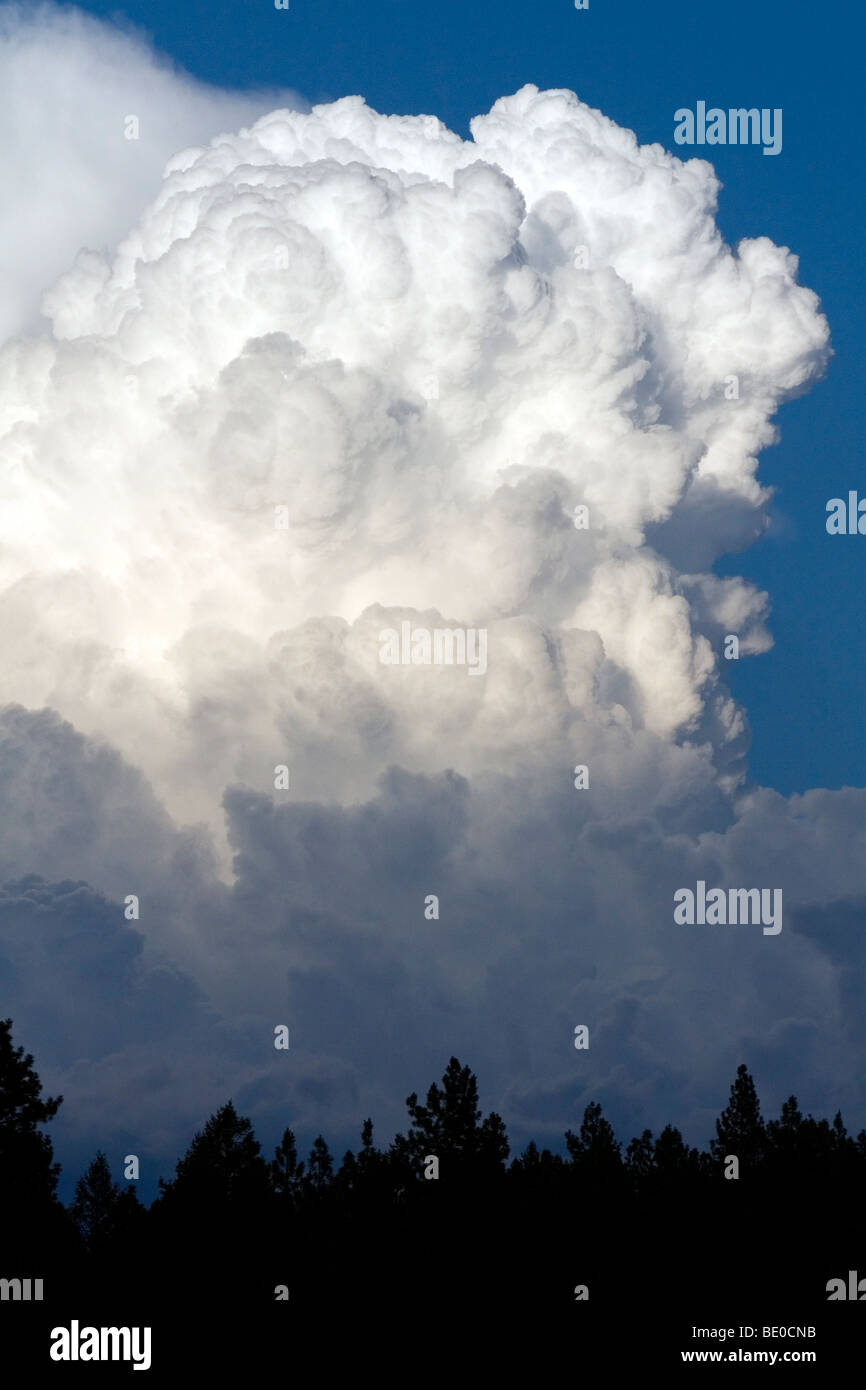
<point>553,913</point>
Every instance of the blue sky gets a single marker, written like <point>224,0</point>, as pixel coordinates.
<point>638,63</point>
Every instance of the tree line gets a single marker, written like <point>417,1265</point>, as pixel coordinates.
<point>386,1223</point>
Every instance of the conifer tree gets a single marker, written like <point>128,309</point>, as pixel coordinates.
<point>450,1127</point>
<point>595,1151</point>
<point>28,1173</point>
<point>286,1171</point>
<point>223,1165</point>
<point>320,1166</point>
<point>102,1210</point>
<point>740,1130</point>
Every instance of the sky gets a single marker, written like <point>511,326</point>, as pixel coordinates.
<point>384,326</point>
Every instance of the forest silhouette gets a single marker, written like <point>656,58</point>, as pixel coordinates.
<point>636,1234</point>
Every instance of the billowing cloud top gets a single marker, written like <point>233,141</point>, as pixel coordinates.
<point>428,352</point>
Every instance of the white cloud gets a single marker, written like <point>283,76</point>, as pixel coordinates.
<point>395,334</point>
<point>267,335</point>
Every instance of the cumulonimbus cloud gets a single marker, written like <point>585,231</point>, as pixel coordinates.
<point>347,371</point>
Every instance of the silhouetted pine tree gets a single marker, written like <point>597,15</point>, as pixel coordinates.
<point>94,1207</point>
<point>785,1135</point>
<point>223,1163</point>
<point>740,1128</point>
<point>286,1173</point>
<point>450,1127</point>
<point>372,1163</point>
<point>220,1196</point>
<point>844,1147</point>
<point>29,1211</point>
<point>320,1168</point>
<point>595,1151</point>
<point>105,1214</point>
<point>366,1175</point>
<point>533,1164</point>
<point>677,1165</point>
<point>640,1159</point>
<point>346,1178</point>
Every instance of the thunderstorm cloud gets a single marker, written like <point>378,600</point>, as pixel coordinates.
<point>321,375</point>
